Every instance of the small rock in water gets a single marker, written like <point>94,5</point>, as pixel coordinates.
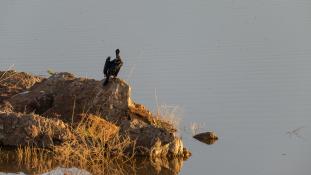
<point>186,153</point>
<point>206,137</point>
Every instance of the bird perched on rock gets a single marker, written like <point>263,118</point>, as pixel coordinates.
<point>113,67</point>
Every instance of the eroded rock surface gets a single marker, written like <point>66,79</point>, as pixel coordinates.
<point>31,129</point>
<point>65,97</point>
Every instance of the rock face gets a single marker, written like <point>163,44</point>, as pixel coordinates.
<point>65,97</point>
<point>30,129</point>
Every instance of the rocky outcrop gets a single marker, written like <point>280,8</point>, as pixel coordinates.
<point>65,97</point>
<point>31,129</point>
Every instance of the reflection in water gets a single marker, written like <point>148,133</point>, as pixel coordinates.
<point>58,171</point>
<point>66,171</point>
<point>209,141</point>
<point>9,163</point>
<point>295,132</point>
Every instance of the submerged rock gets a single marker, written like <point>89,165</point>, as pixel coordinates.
<point>65,97</point>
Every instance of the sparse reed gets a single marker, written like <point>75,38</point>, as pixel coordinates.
<point>169,114</point>
<point>195,127</point>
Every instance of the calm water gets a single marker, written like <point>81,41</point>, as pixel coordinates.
<point>239,67</point>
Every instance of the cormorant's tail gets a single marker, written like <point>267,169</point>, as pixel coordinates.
<point>106,81</point>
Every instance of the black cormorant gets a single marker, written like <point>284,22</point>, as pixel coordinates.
<point>113,67</point>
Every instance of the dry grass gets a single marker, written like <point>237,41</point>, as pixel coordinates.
<point>30,161</point>
<point>3,77</point>
<point>11,78</point>
<point>97,140</point>
<point>97,148</point>
<point>42,160</point>
<point>8,69</point>
<point>195,127</point>
<point>4,157</point>
<point>169,114</point>
<point>32,158</point>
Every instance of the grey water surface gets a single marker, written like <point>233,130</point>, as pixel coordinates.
<point>241,68</point>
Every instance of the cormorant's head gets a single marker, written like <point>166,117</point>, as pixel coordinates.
<point>117,52</point>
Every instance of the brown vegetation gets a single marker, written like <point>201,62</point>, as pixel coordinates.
<point>12,82</point>
<point>76,121</point>
<point>36,161</point>
<point>97,148</point>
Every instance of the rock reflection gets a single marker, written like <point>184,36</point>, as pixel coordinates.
<point>209,141</point>
<point>140,166</point>
<point>67,171</point>
<point>160,166</point>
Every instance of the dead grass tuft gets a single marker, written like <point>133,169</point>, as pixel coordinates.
<point>196,127</point>
<point>97,146</point>
<point>168,116</point>
<point>98,141</point>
